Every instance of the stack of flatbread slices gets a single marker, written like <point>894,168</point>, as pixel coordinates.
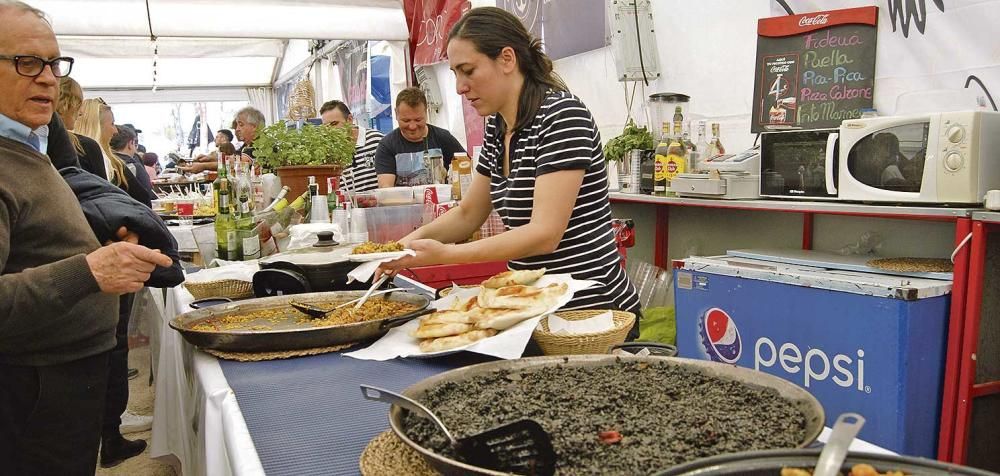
<point>503,301</point>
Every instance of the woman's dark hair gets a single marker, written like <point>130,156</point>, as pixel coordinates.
<point>149,159</point>
<point>490,30</point>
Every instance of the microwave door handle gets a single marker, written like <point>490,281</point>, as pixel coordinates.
<point>831,145</point>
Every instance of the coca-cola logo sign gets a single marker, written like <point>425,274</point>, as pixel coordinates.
<point>814,20</point>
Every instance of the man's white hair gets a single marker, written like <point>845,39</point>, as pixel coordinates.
<point>18,5</point>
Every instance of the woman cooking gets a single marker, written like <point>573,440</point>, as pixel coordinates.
<point>541,168</point>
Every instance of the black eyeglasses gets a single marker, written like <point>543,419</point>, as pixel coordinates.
<point>32,66</point>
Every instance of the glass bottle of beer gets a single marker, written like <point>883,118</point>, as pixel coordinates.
<point>660,161</point>
<point>676,156</point>
<point>715,147</point>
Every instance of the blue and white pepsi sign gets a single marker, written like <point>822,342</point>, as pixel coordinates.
<point>877,356</point>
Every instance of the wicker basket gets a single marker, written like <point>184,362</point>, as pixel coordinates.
<point>229,288</point>
<point>575,344</point>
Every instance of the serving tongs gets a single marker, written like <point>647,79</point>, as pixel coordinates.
<point>319,313</point>
<point>522,447</point>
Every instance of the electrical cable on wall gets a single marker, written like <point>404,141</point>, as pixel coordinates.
<point>638,40</point>
<point>156,47</point>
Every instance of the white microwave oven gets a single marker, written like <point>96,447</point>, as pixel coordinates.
<point>947,157</point>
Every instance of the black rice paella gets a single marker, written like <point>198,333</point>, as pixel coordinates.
<point>634,417</point>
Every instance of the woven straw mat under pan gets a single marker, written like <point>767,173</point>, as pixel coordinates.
<point>387,455</point>
<point>913,265</point>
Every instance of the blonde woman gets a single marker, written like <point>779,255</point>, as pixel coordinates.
<point>68,107</point>
<point>97,122</point>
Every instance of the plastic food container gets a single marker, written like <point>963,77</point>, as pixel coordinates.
<point>392,223</point>
<point>395,196</point>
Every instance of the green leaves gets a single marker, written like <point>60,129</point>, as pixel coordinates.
<point>278,145</point>
<point>633,137</point>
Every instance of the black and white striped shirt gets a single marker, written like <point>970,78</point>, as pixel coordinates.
<point>562,136</point>
<point>362,169</point>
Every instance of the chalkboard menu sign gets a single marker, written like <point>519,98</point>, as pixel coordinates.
<point>814,70</point>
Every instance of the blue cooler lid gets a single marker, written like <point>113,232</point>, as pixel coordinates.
<point>854,282</point>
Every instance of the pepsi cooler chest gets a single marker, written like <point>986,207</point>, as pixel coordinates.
<point>859,342</point>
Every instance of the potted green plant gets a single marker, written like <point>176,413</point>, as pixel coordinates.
<point>617,150</point>
<point>294,154</point>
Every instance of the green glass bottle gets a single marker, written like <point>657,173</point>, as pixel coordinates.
<point>246,223</point>
<point>227,244</point>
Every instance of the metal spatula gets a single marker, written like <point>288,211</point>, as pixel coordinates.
<point>521,447</point>
<point>319,313</point>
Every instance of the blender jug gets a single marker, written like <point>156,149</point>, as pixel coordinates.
<point>662,107</point>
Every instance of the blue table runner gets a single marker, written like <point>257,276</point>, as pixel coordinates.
<point>307,415</point>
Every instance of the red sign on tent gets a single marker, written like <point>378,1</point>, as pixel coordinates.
<point>429,22</point>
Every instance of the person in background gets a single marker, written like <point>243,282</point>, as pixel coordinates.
<point>224,136</point>
<point>360,176</point>
<point>117,419</point>
<point>124,144</point>
<point>96,122</point>
<point>68,107</point>
<point>58,285</point>
<point>402,149</point>
<point>247,121</point>
<point>541,147</point>
<point>152,164</point>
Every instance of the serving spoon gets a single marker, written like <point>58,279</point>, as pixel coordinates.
<point>831,459</point>
<point>319,313</point>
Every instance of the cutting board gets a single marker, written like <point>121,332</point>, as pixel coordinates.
<point>826,259</point>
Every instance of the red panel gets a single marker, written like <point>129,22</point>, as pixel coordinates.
<point>661,236</point>
<point>444,275</point>
<point>956,321</point>
<point>795,24</point>
<point>429,22</point>
<point>970,343</point>
<point>807,231</point>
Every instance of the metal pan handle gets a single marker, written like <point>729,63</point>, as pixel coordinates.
<point>400,320</point>
<point>385,396</point>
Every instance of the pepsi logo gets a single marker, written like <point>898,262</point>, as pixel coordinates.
<point>721,337</point>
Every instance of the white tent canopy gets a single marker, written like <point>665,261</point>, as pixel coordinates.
<point>203,47</point>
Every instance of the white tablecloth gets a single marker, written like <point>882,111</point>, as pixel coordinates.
<point>196,418</point>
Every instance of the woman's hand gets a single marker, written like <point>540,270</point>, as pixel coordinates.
<point>429,252</point>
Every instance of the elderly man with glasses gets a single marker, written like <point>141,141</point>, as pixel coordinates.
<point>58,285</point>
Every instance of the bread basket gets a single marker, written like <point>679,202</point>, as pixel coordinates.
<point>574,344</point>
<point>229,288</point>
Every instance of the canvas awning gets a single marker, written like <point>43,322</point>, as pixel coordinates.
<point>204,44</point>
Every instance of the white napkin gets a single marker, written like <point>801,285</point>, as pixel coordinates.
<point>238,271</point>
<point>364,272</point>
<point>592,325</point>
<point>508,344</point>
